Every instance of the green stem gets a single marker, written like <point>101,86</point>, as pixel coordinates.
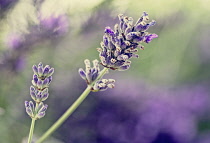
<point>70,110</point>
<point>31,130</point>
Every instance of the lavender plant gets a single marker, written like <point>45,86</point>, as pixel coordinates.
<point>39,92</point>
<point>117,48</point>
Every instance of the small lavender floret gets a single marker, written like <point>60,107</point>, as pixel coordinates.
<point>30,108</point>
<point>91,73</point>
<point>38,96</point>
<point>41,110</point>
<point>149,38</point>
<point>103,85</point>
<point>120,45</point>
<point>37,112</point>
<point>42,76</point>
<point>40,115</point>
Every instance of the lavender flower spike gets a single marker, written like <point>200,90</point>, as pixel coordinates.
<point>39,91</point>
<point>91,74</point>
<point>120,44</point>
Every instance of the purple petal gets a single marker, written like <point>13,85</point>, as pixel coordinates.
<point>148,38</point>
<point>35,69</point>
<point>109,31</point>
<point>44,108</point>
<point>35,78</point>
<point>41,114</point>
<point>46,81</point>
<point>26,104</point>
<point>51,71</point>
<point>82,73</point>
<point>46,69</point>
<point>50,79</point>
<point>123,68</point>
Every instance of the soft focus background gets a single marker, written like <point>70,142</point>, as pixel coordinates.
<point>163,98</point>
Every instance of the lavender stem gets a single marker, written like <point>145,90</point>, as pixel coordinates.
<point>31,130</point>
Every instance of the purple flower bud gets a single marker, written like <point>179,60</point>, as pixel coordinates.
<point>94,76</point>
<point>51,71</point>
<point>132,35</point>
<point>116,31</point>
<point>35,78</point>
<point>46,82</point>
<point>90,74</point>
<point>103,88</point>
<point>40,115</point>
<point>119,63</point>
<point>139,27</point>
<point>82,74</point>
<point>26,104</point>
<point>40,64</point>
<point>32,89</point>
<point>31,104</point>
<point>148,38</point>
<point>44,108</point>
<point>33,95</point>
<point>29,112</point>
<point>49,79</point>
<point>103,60</point>
<point>103,84</point>
<point>122,57</point>
<point>109,31</point>
<point>45,96</point>
<point>40,70</point>
<point>29,108</point>
<point>135,55</point>
<point>123,68</point>
<point>39,97</point>
<point>39,83</point>
<point>145,14</point>
<point>128,30</point>
<point>35,69</point>
<point>46,70</point>
<point>105,41</point>
<point>120,16</point>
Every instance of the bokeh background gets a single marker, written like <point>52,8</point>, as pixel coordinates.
<point>163,98</point>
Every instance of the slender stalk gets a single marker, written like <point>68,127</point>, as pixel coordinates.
<point>31,130</point>
<point>70,110</point>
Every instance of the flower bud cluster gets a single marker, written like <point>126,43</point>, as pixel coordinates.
<point>37,95</point>
<point>39,91</point>
<point>120,44</point>
<point>42,76</point>
<point>35,112</point>
<point>91,74</point>
<point>103,84</point>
